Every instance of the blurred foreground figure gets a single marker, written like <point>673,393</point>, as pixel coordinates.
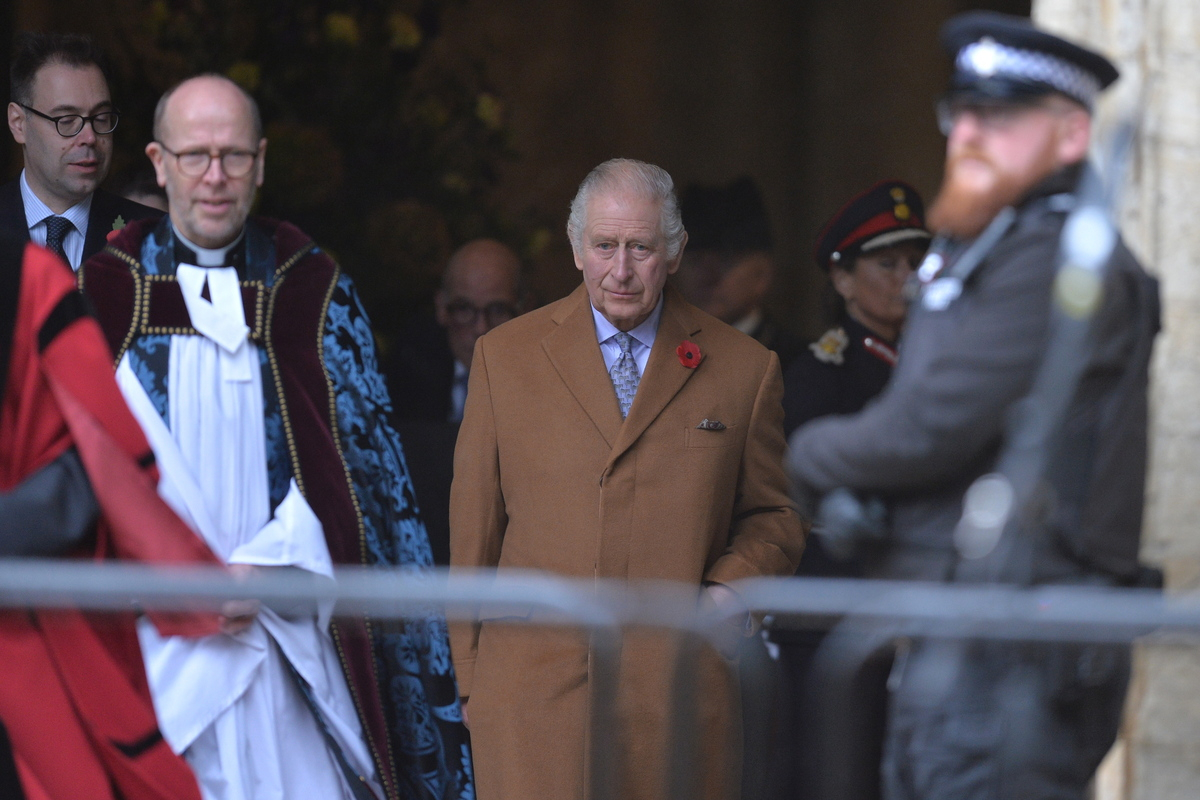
<point>870,249</point>
<point>246,356</point>
<point>1000,719</point>
<point>619,433</point>
<point>77,477</point>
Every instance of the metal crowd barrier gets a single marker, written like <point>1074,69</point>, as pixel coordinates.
<point>604,608</point>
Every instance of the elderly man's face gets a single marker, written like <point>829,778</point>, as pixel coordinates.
<point>623,257</point>
<point>63,170</point>
<point>207,115</point>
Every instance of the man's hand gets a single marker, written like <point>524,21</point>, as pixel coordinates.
<point>722,603</point>
<point>466,719</point>
<point>238,615</point>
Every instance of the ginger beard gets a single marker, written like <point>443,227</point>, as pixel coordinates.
<point>976,187</point>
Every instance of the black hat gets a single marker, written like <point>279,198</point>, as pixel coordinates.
<point>1002,58</point>
<point>887,214</point>
<point>728,219</point>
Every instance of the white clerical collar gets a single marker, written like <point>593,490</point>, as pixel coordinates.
<point>209,256</point>
<point>644,333</point>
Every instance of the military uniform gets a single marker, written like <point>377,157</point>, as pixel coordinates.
<point>837,374</point>
<point>834,727</point>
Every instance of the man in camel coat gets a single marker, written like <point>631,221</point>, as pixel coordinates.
<point>619,433</point>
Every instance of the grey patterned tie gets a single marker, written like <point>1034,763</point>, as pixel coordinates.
<point>56,231</point>
<point>624,373</point>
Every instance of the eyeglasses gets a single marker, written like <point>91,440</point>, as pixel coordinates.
<point>463,312</point>
<point>194,163</point>
<point>989,116</point>
<point>69,125</point>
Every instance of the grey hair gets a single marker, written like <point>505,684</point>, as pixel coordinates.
<point>645,180</point>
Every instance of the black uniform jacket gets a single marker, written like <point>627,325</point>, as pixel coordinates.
<point>837,374</point>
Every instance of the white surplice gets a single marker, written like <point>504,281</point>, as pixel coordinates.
<point>228,703</point>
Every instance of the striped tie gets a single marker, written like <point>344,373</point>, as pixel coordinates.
<point>624,373</point>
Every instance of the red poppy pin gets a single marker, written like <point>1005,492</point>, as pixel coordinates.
<point>689,354</point>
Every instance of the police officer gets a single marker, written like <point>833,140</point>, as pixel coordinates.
<point>988,719</point>
<point>869,248</point>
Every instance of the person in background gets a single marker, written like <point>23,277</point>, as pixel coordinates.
<point>729,265</point>
<point>141,186</point>
<point>870,249</point>
<point>429,364</point>
<point>62,115</point>
<point>427,374</point>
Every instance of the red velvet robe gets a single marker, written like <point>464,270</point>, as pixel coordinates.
<point>73,693</point>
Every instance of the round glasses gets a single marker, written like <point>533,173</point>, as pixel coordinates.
<point>464,312</point>
<point>69,125</point>
<point>194,163</point>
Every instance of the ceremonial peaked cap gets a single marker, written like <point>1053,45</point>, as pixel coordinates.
<point>887,214</point>
<point>728,219</point>
<point>1002,58</point>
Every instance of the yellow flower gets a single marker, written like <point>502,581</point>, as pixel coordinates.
<point>406,33</point>
<point>538,242</point>
<point>456,183</point>
<point>341,29</point>
<point>490,110</point>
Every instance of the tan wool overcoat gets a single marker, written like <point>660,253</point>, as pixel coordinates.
<point>547,476</point>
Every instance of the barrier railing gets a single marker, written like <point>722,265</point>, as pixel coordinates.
<point>605,608</point>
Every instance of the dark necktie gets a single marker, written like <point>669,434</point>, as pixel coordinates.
<point>56,232</point>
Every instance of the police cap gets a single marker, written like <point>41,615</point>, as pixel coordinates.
<point>1003,58</point>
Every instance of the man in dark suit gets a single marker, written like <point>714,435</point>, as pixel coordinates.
<point>62,115</point>
<point>480,289</point>
<point>427,372</point>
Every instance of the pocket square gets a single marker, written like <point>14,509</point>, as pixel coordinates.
<point>711,425</point>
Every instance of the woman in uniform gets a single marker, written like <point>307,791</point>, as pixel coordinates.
<point>869,249</point>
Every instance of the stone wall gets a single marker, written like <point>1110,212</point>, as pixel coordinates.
<point>1157,45</point>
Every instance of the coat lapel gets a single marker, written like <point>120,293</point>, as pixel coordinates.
<point>101,219</point>
<point>664,375</point>
<point>12,211</point>
<point>574,352</point>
